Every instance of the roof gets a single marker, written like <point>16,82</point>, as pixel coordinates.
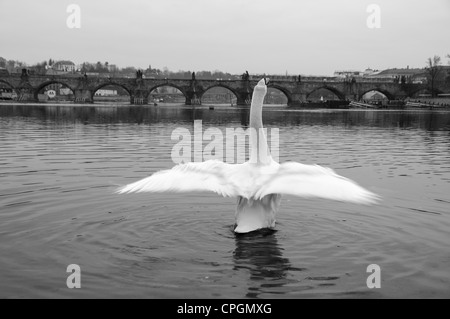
<point>64,62</point>
<point>400,71</point>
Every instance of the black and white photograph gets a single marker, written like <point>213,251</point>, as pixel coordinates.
<point>225,155</point>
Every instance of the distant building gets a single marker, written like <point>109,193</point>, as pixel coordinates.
<point>370,72</point>
<point>374,96</point>
<point>348,73</point>
<point>65,91</point>
<point>412,75</point>
<point>11,66</point>
<point>400,72</point>
<point>112,68</point>
<point>377,96</point>
<point>64,66</point>
<point>106,92</point>
<point>166,90</point>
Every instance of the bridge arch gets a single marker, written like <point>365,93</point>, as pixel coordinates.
<point>415,93</point>
<point>386,93</point>
<point>339,94</point>
<point>285,91</point>
<point>41,86</point>
<point>110,83</point>
<point>8,84</point>
<point>219,85</point>
<point>168,84</point>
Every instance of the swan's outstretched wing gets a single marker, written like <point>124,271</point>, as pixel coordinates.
<point>211,175</point>
<point>314,181</point>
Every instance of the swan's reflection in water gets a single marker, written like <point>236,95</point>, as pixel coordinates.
<point>260,254</point>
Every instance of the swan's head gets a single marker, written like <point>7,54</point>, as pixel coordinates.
<point>261,87</point>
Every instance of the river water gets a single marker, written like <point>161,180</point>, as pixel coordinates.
<point>60,165</point>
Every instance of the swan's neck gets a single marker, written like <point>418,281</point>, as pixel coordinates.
<point>256,113</point>
<point>259,151</point>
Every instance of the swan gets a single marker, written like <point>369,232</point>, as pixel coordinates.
<point>258,183</point>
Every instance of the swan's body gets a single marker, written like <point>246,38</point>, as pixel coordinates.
<point>258,183</point>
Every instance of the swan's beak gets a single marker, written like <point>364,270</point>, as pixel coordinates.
<point>266,80</point>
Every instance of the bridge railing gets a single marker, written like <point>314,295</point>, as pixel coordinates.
<point>273,78</point>
<point>284,78</point>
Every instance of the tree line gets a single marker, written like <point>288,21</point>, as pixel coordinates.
<point>435,72</point>
<point>107,69</point>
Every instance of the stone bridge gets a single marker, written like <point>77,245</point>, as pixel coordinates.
<point>296,90</point>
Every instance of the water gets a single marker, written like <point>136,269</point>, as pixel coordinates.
<point>60,166</point>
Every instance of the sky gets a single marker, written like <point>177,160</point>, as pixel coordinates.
<point>310,37</point>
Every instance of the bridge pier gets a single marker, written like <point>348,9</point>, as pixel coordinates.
<point>297,99</point>
<point>139,97</point>
<point>83,96</point>
<point>135,100</point>
<point>192,99</point>
<point>26,95</point>
<point>243,102</point>
<point>243,98</point>
<point>25,91</point>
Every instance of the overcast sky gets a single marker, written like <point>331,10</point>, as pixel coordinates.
<point>261,36</point>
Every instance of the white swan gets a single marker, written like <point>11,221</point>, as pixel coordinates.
<point>258,183</point>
